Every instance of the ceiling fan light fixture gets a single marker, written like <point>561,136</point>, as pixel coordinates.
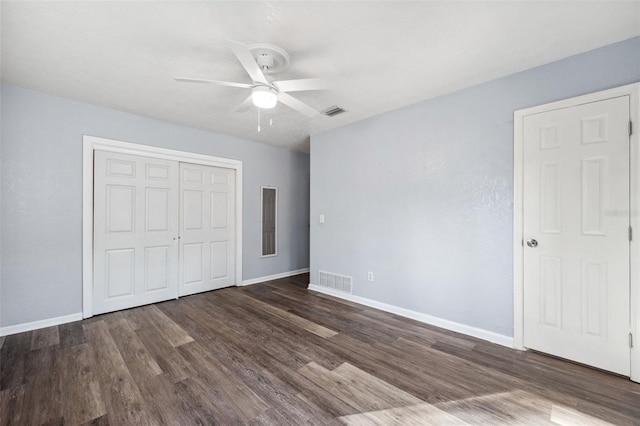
<point>264,97</point>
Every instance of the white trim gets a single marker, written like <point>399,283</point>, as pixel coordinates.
<point>89,145</point>
<point>518,241</point>
<point>418,316</point>
<point>634,253</point>
<point>633,91</point>
<point>35,325</point>
<point>262,188</point>
<point>275,276</point>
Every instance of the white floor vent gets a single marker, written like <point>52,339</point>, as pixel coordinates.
<point>335,281</point>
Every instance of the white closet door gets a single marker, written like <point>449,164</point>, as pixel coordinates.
<point>135,224</point>
<point>207,222</point>
<point>576,224</point>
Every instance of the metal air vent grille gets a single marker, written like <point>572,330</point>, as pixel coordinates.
<point>333,110</point>
<point>335,281</point>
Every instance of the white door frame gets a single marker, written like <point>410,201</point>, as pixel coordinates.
<point>633,91</point>
<point>92,143</point>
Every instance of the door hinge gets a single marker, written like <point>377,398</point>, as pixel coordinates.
<point>630,340</point>
<point>630,128</point>
<point>630,234</point>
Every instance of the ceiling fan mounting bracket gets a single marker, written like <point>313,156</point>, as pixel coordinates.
<point>271,59</point>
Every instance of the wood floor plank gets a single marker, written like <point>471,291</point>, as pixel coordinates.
<point>279,393</point>
<point>566,417</point>
<point>82,400</point>
<point>344,324</point>
<point>71,334</point>
<point>272,417</point>
<point>277,353</point>
<point>169,329</point>
<point>121,396</point>
<point>100,421</point>
<point>442,365</point>
<point>291,343</point>
<point>55,422</point>
<point>45,337</point>
<point>139,361</point>
<point>361,379</point>
<point>412,415</point>
<point>206,403</point>
<point>419,380</point>
<point>301,322</point>
<point>556,383</point>
<point>11,403</point>
<point>261,332</point>
<point>356,394</point>
<point>595,409</point>
<point>13,354</point>
<point>162,398</point>
<point>330,404</point>
<point>247,357</point>
<point>505,408</point>
<point>271,380</point>
<point>244,401</point>
<point>170,361</point>
<point>135,319</point>
<point>43,392</point>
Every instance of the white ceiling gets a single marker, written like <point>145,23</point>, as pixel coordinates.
<point>381,55</point>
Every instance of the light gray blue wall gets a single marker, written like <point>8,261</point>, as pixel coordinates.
<point>41,212</point>
<point>422,196</point>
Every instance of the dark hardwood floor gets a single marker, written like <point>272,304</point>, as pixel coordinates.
<point>276,353</point>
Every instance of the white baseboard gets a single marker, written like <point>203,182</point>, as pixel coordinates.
<point>418,316</point>
<point>275,277</point>
<point>35,325</point>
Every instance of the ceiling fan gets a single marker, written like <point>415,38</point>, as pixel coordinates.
<point>261,59</point>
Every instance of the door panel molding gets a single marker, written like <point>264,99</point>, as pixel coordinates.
<point>208,223</point>
<point>135,261</point>
<point>93,143</point>
<point>593,135</point>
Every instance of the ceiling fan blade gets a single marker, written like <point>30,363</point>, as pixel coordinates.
<point>248,103</point>
<point>302,84</point>
<point>245,57</point>
<point>220,83</point>
<point>299,106</point>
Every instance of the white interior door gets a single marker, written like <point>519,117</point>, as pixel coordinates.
<point>207,222</point>
<point>576,204</point>
<point>135,227</point>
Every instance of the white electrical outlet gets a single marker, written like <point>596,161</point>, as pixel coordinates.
<point>321,218</point>
<point>369,276</point>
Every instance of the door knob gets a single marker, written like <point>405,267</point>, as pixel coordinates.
<point>532,243</point>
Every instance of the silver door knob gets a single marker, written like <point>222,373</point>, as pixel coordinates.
<point>532,243</point>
